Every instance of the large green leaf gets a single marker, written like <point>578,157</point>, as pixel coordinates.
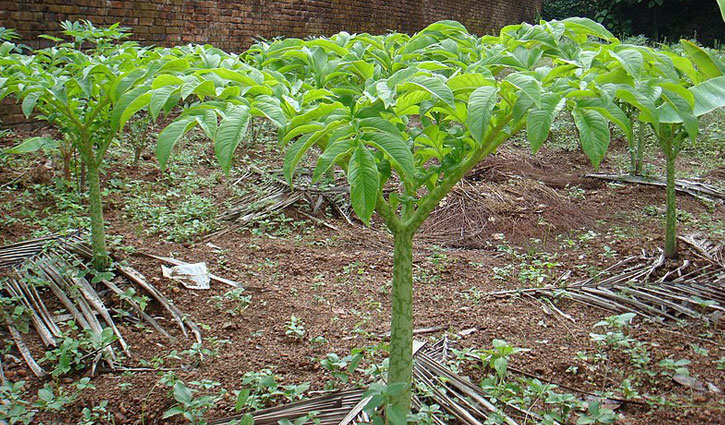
<point>170,135</point>
<point>706,63</point>
<point>29,103</point>
<point>589,27</point>
<point>480,109</point>
<point>396,148</point>
<point>119,115</point>
<point>208,122</point>
<point>302,129</point>
<point>612,112</point>
<point>630,59</point>
<point>529,86</point>
<point>231,131</point>
<point>434,86</point>
<point>362,174</point>
<point>539,120</point>
<point>166,80</point>
<point>333,154</point>
<point>314,114</point>
<point>467,82</point>
<point>125,82</point>
<point>642,100</point>
<point>269,107</point>
<point>297,150</point>
<point>709,95</point>
<point>684,111</point>
<point>159,97</point>
<point>33,144</point>
<point>593,133</point>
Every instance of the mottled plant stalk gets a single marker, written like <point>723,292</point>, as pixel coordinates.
<point>101,260</point>
<point>671,200</point>
<point>401,332</point>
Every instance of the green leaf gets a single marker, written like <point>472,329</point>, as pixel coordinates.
<point>208,123</point>
<point>480,109</point>
<point>319,111</point>
<point>302,129</point>
<point>362,174</point>
<point>630,59</point>
<point>119,110</point>
<point>182,394</point>
<point>593,133</point>
<point>169,136</point>
<point>166,80</point>
<point>529,85</point>
<point>121,85</point>
<point>706,63</point>
<point>436,87</point>
<point>136,105</point>
<point>269,107</point>
<point>159,97</point>
<point>395,415</point>
<point>684,111</point>
<point>241,399</point>
<point>589,27</point>
<point>332,155</point>
<point>29,103</point>
<point>709,95</point>
<point>297,150</point>
<point>467,82</point>
<point>33,144</point>
<point>539,120</point>
<point>236,76</point>
<point>500,365</point>
<point>408,103</point>
<point>176,410</point>
<point>231,131</point>
<point>396,148</point>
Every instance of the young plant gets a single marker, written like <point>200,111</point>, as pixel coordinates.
<point>295,328</point>
<point>414,131</point>
<point>671,105</point>
<point>188,406</point>
<point>84,94</point>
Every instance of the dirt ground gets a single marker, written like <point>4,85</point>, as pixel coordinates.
<point>336,282</point>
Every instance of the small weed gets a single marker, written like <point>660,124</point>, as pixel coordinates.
<point>295,328</point>
<point>190,407</point>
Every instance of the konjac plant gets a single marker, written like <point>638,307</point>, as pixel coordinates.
<point>665,92</point>
<point>82,87</point>
<point>404,117</point>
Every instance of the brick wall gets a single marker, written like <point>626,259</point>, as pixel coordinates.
<point>233,25</point>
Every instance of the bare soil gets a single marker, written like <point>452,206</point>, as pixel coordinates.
<point>335,281</point>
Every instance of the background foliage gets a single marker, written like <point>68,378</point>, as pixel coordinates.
<point>660,20</point>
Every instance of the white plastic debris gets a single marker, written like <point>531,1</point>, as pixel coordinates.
<point>192,276</point>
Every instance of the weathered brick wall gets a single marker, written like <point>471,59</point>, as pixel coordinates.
<point>232,25</point>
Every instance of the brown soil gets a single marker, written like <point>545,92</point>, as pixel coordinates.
<point>336,281</point>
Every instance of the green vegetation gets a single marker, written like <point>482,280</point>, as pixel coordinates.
<point>404,117</point>
<point>80,91</point>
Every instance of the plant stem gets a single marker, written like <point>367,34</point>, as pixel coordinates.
<point>101,260</point>
<point>401,332</point>
<point>671,215</point>
<point>640,149</point>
